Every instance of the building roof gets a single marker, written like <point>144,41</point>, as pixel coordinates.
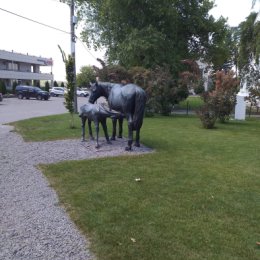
<point>13,56</point>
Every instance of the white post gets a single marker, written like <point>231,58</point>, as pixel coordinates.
<point>240,108</point>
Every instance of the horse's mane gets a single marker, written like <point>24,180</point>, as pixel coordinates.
<point>107,86</point>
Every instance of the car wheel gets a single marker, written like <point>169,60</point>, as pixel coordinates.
<point>52,94</point>
<point>20,96</point>
<point>39,97</point>
<point>81,95</point>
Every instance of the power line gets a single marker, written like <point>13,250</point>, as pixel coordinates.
<point>31,20</point>
<point>49,26</point>
<point>87,49</point>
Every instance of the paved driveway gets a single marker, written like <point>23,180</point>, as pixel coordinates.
<point>14,109</point>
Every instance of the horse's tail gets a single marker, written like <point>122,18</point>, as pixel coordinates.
<point>140,101</point>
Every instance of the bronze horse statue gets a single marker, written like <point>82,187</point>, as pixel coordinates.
<point>128,99</point>
<point>97,113</point>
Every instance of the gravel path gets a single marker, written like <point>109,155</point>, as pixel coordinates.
<point>32,224</point>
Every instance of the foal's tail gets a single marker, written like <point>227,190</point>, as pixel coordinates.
<point>140,101</point>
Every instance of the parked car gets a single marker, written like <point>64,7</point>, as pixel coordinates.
<point>1,97</point>
<point>56,91</point>
<point>31,92</point>
<point>82,93</point>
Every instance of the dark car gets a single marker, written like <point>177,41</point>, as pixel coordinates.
<point>31,92</point>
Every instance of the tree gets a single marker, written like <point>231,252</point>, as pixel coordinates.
<point>2,87</point>
<point>47,86</point>
<point>249,55</point>
<point>153,33</point>
<point>55,83</point>
<point>15,83</point>
<point>69,95</point>
<point>86,75</point>
<point>249,49</point>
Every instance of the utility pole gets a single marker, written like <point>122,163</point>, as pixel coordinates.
<point>73,21</point>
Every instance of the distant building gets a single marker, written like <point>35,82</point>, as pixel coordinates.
<point>24,69</point>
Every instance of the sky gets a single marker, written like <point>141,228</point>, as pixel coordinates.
<point>23,36</point>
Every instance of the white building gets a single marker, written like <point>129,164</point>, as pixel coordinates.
<point>23,69</point>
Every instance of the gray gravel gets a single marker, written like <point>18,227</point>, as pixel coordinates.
<point>32,223</point>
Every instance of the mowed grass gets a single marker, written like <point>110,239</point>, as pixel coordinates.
<point>198,198</point>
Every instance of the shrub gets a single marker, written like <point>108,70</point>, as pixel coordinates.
<point>219,103</point>
<point>2,87</point>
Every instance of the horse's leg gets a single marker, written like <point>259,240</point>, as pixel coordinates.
<point>104,125</point>
<point>90,130</point>
<point>130,133</point>
<point>137,138</point>
<point>113,137</point>
<point>96,122</point>
<point>83,123</point>
<point>120,126</point>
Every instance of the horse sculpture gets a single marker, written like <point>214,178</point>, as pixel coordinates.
<point>128,99</point>
<point>97,113</point>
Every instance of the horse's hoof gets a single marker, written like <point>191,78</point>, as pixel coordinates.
<point>83,140</point>
<point>119,136</point>
<point>112,138</point>
<point>137,144</point>
<point>97,146</point>
<point>128,148</point>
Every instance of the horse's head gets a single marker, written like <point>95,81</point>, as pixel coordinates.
<point>95,92</point>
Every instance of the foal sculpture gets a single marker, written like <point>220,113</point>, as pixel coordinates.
<point>97,113</point>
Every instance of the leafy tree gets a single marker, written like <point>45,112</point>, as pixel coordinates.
<point>153,33</point>
<point>111,73</point>
<point>249,55</point>
<point>249,42</point>
<point>62,84</point>
<point>192,76</point>
<point>254,95</point>
<point>86,75</point>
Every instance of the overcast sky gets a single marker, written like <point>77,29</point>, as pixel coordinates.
<point>24,36</point>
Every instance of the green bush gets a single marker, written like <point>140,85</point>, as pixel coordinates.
<point>2,87</point>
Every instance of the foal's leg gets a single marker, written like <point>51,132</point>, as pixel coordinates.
<point>83,123</point>
<point>96,122</point>
<point>104,125</point>
<point>120,126</point>
<point>90,130</point>
<point>113,137</point>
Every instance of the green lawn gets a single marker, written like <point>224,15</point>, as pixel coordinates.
<point>198,198</point>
